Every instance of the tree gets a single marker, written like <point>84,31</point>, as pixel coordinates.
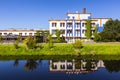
<point>88,30</point>
<point>96,35</point>
<point>38,37</point>
<point>78,44</point>
<point>1,38</point>
<point>30,65</point>
<point>37,33</point>
<point>19,38</point>
<point>58,33</point>
<point>111,31</point>
<point>16,43</point>
<point>50,41</point>
<point>30,42</point>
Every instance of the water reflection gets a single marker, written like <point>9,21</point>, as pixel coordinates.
<point>74,66</point>
<point>112,65</point>
<point>60,69</point>
<point>16,62</point>
<point>30,65</point>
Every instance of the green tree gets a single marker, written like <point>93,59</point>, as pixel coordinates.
<point>50,41</point>
<point>58,33</point>
<point>38,37</point>
<point>88,30</point>
<point>96,35</point>
<point>78,44</point>
<point>37,33</point>
<point>16,43</point>
<point>19,39</point>
<point>30,42</point>
<point>1,39</point>
<point>111,31</point>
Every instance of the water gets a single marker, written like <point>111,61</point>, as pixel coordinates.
<point>72,69</point>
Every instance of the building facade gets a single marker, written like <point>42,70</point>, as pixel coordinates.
<point>74,26</point>
<point>12,35</point>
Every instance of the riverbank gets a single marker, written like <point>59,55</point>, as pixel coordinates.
<point>61,49</point>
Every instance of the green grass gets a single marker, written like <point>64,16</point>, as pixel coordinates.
<point>101,49</point>
<point>61,49</point>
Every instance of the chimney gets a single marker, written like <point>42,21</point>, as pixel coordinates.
<point>84,11</point>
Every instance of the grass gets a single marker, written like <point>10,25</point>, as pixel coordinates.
<point>61,49</point>
<point>101,49</point>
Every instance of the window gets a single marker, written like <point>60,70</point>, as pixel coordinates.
<point>53,31</point>
<point>25,34</point>
<point>83,31</point>
<point>69,31</point>
<point>54,24</point>
<point>77,25</point>
<point>5,33</point>
<point>92,24</point>
<point>20,33</point>
<point>62,31</point>
<point>35,33</point>
<point>62,24</point>
<point>10,33</point>
<point>69,25</point>
<point>82,24</point>
<point>30,34</point>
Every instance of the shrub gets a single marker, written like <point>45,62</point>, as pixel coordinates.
<point>39,46</point>
<point>16,45</point>
<point>77,44</point>
<point>50,41</point>
<point>30,42</point>
<point>97,37</point>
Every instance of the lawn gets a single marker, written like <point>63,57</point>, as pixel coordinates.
<point>62,49</point>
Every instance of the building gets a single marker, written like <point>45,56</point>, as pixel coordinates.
<point>12,34</point>
<point>73,27</point>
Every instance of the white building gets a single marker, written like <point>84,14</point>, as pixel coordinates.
<point>73,27</point>
<point>12,34</point>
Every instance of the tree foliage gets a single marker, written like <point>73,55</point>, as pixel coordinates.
<point>50,41</point>
<point>38,37</point>
<point>30,42</point>
<point>1,38</point>
<point>77,44</point>
<point>88,30</point>
<point>111,31</point>
<point>58,33</point>
<point>97,37</point>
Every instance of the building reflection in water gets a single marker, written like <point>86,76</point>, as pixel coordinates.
<point>80,66</point>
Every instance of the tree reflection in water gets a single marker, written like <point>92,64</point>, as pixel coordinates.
<point>112,65</point>
<point>16,63</point>
<point>31,65</point>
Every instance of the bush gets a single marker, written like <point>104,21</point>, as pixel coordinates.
<point>77,44</point>
<point>16,45</point>
<point>97,37</point>
<point>30,42</point>
<point>39,46</point>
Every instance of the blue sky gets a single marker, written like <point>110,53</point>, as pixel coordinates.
<point>34,14</point>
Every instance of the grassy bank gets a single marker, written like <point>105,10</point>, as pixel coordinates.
<point>62,49</point>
